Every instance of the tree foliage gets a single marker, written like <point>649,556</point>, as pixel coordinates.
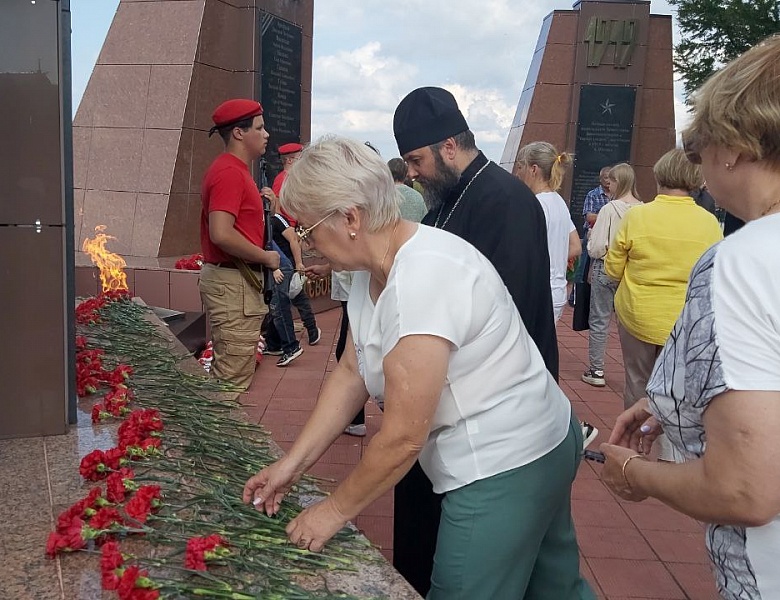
<point>716,31</point>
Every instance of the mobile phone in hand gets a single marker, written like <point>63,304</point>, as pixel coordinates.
<point>594,456</point>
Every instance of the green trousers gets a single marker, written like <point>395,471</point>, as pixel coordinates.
<point>511,536</point>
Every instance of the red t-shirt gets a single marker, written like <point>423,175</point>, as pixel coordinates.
<point>278,182</point>
<point>277,188</point>
<point>228,186</point>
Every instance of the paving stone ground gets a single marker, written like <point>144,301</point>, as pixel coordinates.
<point>628,550</point>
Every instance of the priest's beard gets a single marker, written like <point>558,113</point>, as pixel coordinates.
<point>438,187</point>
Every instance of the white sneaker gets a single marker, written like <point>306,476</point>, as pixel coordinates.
<point>589,433</point>
<point>356,430</point>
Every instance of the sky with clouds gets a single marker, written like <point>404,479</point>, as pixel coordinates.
<point>369,54</point>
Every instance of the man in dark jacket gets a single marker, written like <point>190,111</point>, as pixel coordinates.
<point>473,198</point>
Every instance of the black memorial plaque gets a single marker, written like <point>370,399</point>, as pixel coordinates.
<point>280,79</point>
<point>605,125</point>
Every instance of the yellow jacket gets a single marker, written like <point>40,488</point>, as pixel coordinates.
<point>651,256</point>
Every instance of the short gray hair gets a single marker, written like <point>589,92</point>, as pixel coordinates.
<point>335,174</point>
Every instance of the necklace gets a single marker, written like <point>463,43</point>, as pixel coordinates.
<point>768,208</point>
<point>387,251</point>
<point>463,193</point>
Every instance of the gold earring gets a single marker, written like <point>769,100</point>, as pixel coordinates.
<point>729,167</point>
<point>353,235</point>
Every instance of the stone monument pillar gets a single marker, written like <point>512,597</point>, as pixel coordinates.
<point>140,134</point>
<point>600,86</point>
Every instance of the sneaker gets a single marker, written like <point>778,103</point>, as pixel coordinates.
<point>594,377</point>
<point>314,340</point>
<point>288,357</point>
<point>589,433</point>
<point>270,352</point>
<point>356,430</point>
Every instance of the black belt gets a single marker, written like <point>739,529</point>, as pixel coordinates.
<point>231,265</point>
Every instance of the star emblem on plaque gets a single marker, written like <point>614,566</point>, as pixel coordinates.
<point>607,106</point>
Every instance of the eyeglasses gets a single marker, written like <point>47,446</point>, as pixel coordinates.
<point>691,153</point>
<point>303,234</point>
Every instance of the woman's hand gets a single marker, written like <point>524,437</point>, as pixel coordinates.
<point>614,472</point>
<point>321,270</point>
<point>636,428</point>
<point>278,276</point>
<point>316,525</point>
<point>267,489</point>
<point>300,268</point>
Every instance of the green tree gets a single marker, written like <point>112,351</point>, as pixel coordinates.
<point>716,31</point>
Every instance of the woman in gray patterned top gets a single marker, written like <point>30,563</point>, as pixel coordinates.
<point>715,389</point>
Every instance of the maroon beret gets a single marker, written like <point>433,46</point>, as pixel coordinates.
<point>290,148</point>
<point>233,111</point>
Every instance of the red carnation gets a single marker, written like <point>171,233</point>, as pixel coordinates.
<point>138,426</point>
<point>115,458</point>
<point>99,413</point>
<point>105,518</point>
<point>97,464</point>
<point>135,585</point>
<point>200,549</point>
<point>93,466</point>
<point>191,263</point>
<point>141,504</point>
<point>117,399</point>
<point>121,373</point>
<point>67,538</point>
<point>111,562</point>
<point>118,484</point>
<point>55,544</point>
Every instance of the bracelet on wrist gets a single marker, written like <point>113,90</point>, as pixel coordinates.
<point>625,466</point>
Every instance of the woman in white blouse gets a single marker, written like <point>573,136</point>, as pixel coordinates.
<point>438,342</point>
<point>541,167</point>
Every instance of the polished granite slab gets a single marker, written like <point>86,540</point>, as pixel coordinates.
<point>39,479</point>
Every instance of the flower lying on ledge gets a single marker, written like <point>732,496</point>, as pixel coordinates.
<point>119,483</point>
<point>115,404</point>
<point>99,463</point>
<point>140,425</point>
<point>190,263</point>
<point>134,584</point>
<point>111,565</point>
<point>145,500</point>
<point>67,538</point>
<point>201,549</point>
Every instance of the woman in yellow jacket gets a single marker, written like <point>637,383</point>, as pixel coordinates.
<point>651,256</point>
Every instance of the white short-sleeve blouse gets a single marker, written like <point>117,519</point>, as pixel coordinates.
<point>500,408</point>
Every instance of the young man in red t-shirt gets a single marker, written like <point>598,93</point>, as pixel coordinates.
<point>232,226</point>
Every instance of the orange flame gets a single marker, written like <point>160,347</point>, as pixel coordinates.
<point>112,275</point>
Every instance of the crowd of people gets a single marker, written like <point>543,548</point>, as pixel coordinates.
<point>450,302</point>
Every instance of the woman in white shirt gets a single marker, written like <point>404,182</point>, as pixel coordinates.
<point>438,342</point>
<point>542,168</point>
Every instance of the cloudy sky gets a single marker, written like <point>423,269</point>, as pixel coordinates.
<point>368,54</point>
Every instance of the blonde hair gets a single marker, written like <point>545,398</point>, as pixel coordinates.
<point>739,106</point>
<point>335,174</point>
<point>623,174</point>
<point>675,172</point>
<point>546,157</point>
